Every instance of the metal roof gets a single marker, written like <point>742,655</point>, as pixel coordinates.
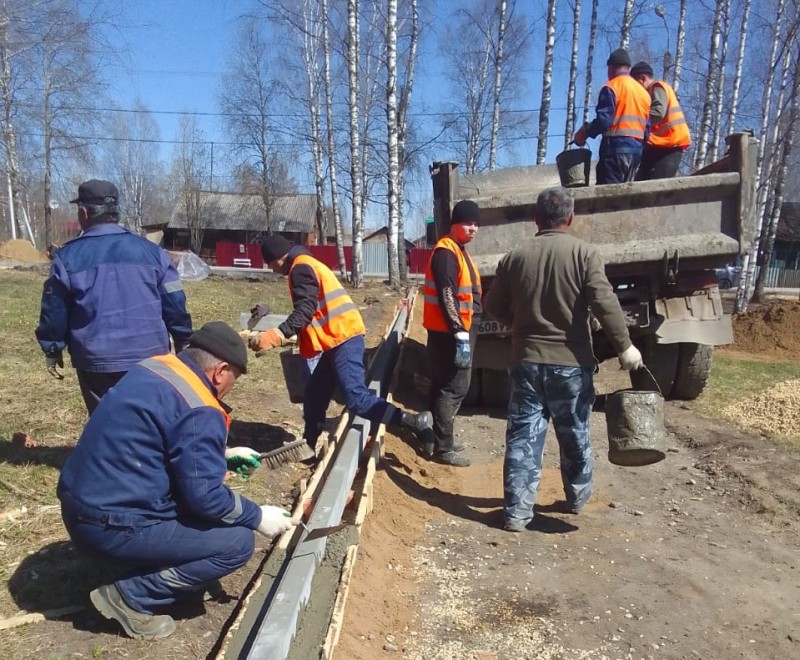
<point>235,211</point>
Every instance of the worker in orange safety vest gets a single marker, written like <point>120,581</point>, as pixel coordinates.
<point>330,332</point>
<point>669,133</point>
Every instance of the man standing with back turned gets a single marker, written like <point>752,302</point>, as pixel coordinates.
<point>621,116</point>
<point>669,134</point>
<point>112,298</point>
<point>451,313</point>
<point>328,325</point>
<point>544,292</point>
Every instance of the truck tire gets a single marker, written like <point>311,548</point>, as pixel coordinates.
<point>694,366</point>
<point>662,361</point>
<point>495,388</point>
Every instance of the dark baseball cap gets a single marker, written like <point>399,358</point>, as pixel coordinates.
<point>97,192</point>
<point>641,68</point>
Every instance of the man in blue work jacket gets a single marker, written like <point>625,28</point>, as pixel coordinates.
<point>112,298</point>
<point>145,483</point>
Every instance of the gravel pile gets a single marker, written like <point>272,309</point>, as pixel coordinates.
<point>773,411</point>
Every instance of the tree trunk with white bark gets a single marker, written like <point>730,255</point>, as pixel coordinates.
<point>547,82</point>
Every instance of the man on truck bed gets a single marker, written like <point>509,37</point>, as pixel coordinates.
<point>622,110</point>
<point>669,133</point>
<point>544,292</point>
<point>451,314</point>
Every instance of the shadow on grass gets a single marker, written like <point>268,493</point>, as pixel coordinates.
<point>259,436</point>
<point>61,576</point>
<point>14,454</point>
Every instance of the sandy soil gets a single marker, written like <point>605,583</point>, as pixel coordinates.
<point>694,557</point>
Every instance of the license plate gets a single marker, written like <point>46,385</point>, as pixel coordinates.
<point>492,328</point>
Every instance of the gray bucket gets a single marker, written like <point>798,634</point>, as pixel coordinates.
<point>295,373</point>
<point>573,167</point>
<point>635,424</point>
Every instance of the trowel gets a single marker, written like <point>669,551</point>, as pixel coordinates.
<point>320,532</point>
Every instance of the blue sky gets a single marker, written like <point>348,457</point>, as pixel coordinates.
<point>176,51</point>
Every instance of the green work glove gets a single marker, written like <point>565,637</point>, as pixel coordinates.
<point>242,460</point>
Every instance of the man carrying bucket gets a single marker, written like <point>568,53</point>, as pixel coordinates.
<point>623,107</point>
<point>544,292</point>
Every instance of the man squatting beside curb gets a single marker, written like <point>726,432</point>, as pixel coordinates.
<point>544,292</point>
<point>328,325</point>
<point>144,486</point>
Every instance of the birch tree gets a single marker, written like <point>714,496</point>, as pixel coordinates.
<point>679,47</point>
<point>547,82</point>
<point>787,142</point>
<point>587,95</point>
<point>402,132</point>
<point>627,23</point>
<point>191,175</point>
<point>569,124</point>
<point>391,139</point>
<point>737,74</point>
<point>712,81</point>
<point>355,155</point>
<point>329,131</point>
<point>749,265</point>
<point>498,83</point>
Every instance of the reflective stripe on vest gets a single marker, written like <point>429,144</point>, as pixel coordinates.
<point>188,384</point>
<point>632,109</point>
<point>672,131</point>
<point>432,317</point>
<point>336,318</point>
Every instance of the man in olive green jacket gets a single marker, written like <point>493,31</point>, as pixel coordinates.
<point>544,292</point>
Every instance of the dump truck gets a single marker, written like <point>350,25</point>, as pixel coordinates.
<point>660,241</point>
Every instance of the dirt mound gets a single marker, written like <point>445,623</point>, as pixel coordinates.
<point>772,330</point>
<point>773,411</point>
<point>21,250</point>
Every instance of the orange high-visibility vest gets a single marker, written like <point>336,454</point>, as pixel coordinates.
<point>189,385</point>
<point>432,317</point>
<point>633,108</point>
<point>336,318</point>
<point>672,131</point>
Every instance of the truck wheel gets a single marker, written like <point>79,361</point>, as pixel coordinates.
<point>495,388</point>
<point>662,361</point>
<point>473,397</point>
<point>694,366</point>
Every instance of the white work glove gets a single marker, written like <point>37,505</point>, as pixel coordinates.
<point>274,521</point>
<point>631,358</point>
<point>462,359</point>
<point>242,460</point>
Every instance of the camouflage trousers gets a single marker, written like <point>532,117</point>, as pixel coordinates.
<point>539,393</point>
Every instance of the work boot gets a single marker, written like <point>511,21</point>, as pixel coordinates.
<point>109,602</point>
<point>418,422</point>
<point>451,458</point>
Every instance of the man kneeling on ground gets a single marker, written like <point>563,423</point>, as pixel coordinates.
<point>144,484</point>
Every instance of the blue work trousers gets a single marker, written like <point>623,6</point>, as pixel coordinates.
<point>343,365</point>
<point>166,559</point>
<point>540,392</point>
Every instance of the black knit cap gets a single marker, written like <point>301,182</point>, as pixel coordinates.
<point>619,57</point>
<point>222,342</point>
<point>97,193</point>
<point>274,247</point>
<point>465,211</point>
<point>641,68</point>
